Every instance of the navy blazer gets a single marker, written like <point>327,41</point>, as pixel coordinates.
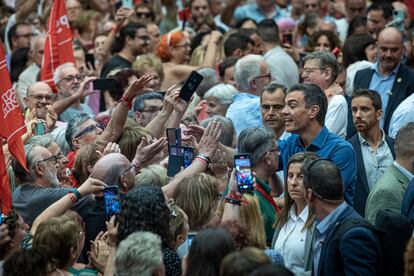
<point>362,188</point>
<point>402,88</point>
<point>359,251</point>
<point>407,206</point>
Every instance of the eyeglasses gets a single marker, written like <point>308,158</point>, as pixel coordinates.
<point>277,150</point>
<point>310,5</point>
<point>130,168</point>
<point>41,97</point>
<point>53,159</point>
<point>145,14</point>
<point>268,75</point>
<point>88,129</point>
<point>310,70</point>
<point>25,35</point>
<point>71,78</point>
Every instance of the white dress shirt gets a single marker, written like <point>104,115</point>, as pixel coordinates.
<point>336,119</point>
<point>291,240</point>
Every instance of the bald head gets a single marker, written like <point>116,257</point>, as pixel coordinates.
<point>390,49</point>
<point>39,96</point>
<point>389,34</point>
<point>111,169</point>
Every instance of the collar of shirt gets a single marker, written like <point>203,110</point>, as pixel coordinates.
<point>375,66</point>
<point>324,225</point>
<point>243,96</point>
<point>365,143</point>
<point>319,141</point>
<point>264,185</point>
<point>403,170</point>
<point>303,216</point>
<point>276,14</point>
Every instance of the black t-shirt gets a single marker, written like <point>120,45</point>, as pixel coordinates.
<point>115,62</point>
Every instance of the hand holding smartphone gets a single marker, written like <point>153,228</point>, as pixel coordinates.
<point>244,175</point>
<point>112,203</point>
<point>190,86</point>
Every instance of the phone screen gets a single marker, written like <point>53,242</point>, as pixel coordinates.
<point>104,84</point>
<point>190,86</point>
<point>190,238</point>
<point>174,136</point>
<point>188,154</point>
<point>40,128</point>
<point>127,4</point>
<point>175,160</point>
<point>244,176</point>
<point>111,196</point>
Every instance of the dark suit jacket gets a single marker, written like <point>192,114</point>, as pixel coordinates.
<point>359,251</point>
<point>407,208</point>
<point>361,188</point>
<point>402,88</point>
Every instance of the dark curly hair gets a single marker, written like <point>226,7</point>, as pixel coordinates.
<point>11,221</point>
<point>334,40</point>
<point>144,209</point>
<point>32,261</point>
<point>121,80</point>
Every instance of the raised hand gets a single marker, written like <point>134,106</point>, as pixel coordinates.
<point>51,117</point>
<point>146,152</point>
<point>138,87</point>
<point>85,88</point>
<point>209,141</point>
<point>196,131</point>
<point>170,98</point>
<point>111,148</point>
<point>90,186</point>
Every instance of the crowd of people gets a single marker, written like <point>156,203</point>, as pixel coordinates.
<point>316,94</point>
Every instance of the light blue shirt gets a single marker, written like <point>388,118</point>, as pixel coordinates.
<point>404,171</point>
<point>71,112</point>
<point>383,85</point>
<point>253,12</point>
<point>245,112</point>
<point>402,115</point>
<point>322,230</point>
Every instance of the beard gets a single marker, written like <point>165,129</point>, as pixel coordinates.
<point>52,178</point>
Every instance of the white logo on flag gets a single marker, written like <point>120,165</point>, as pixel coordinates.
<point>9,102</point>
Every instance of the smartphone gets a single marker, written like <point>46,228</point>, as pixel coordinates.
<point>287,38</point>
<point>40,128</point>
<point>398,20</point>
<point>190,238</point>
<point>104,84</point>
<point>175,160</point>
<point>188,156</point>
<point>127,4</point>
<point>90,61</point>
<point>174,136</point>
<point>111,196</point>
<point>244,176</point>
<point>190,86</point>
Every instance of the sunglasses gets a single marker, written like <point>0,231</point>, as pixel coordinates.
<point>145,14</point>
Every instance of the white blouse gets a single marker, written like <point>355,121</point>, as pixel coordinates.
<point>291,240</point>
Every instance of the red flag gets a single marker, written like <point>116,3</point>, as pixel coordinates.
<point>58,47</point>
<point>12,128</point>
<point>5,193</point>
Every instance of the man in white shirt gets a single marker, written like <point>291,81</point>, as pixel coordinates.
<point>402,115</point>
<point>321,68</point>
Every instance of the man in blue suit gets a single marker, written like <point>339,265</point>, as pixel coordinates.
<point>354,251</point>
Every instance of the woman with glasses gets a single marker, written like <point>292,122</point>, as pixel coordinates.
<point>174,51</point>
<point>294,227</point>
<point>144,209</point>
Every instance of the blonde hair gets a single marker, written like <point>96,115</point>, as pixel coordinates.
<point>58,236</point>
<point>177,222</point>
<point>251,217</point>
<point>153,174</point>
<point>198,197</point>
<point>130,138</point>
<point>147,62</point>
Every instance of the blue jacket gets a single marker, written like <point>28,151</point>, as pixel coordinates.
<point>407,208</point>
<point>359,251</point>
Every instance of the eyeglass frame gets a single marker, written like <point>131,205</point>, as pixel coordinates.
<point>53,157</point>
<point>41,97</point>
<point>311,69</point>
<point>87,130</point>
<point>268,75</point>
<point>72,78</point>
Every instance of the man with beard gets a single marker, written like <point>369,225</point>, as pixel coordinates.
<point>344,243</point>
<point>133,41</point>
<point>391,79</point>
<point>40,187</point>
<point>374,150</point>
<point>272,102</point>
<point>71,90</point>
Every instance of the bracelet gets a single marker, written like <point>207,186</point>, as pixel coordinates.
<point>77,194</point>
<point>202,161</point>
<point>204,157</point>
<point>125,101</point>
<point>72,197</point>
<point>232,200</point>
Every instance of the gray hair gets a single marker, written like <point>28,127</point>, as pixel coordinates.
<point>58,71</point>
<point>35,39</point>
<point>210,79</point>
<point>326,60</point>
<point>139,103</point>
<point>58,135</point>
<point>41,140</point>
<point>32,157</point>
<point>404,142</point>
<point>73,125</point>
<point>222,92</point>
<point>153,174</point>
<point>246,69</point>
<point>227,129</point>
<point>139,254</point>
<point>256,142</point>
